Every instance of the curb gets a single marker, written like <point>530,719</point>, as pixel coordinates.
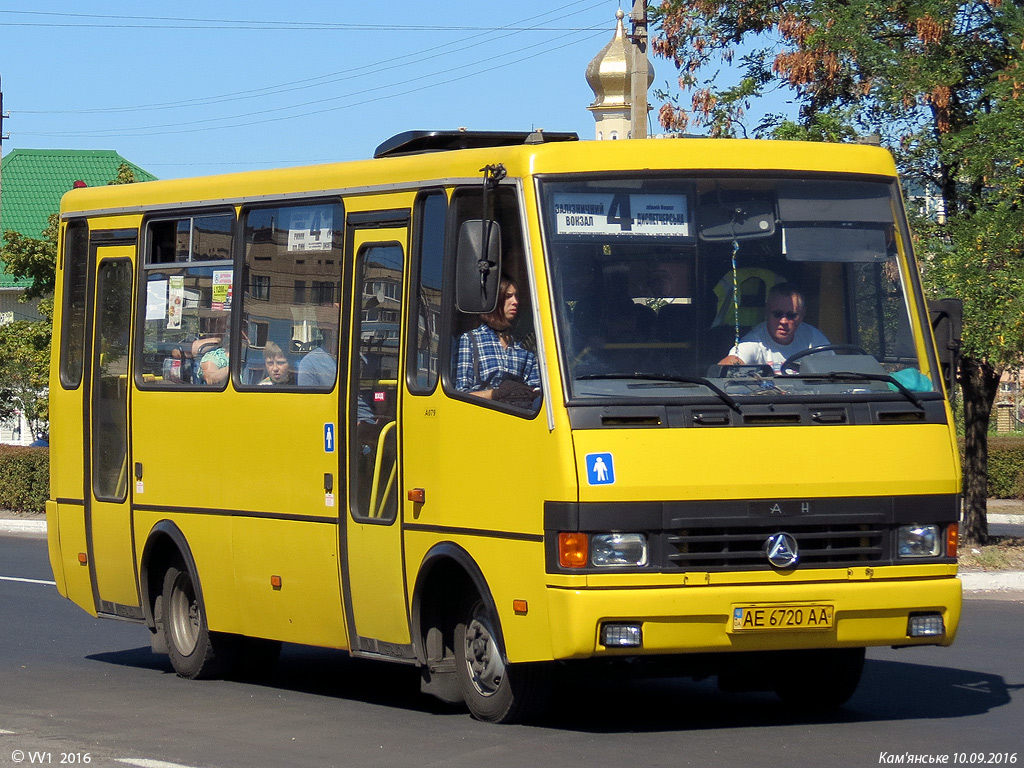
<point>993,581</point>
<point>28,527</point>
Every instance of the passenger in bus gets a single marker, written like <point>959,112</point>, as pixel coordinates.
<point>213,360</point>
<point>782,334</point>
<point>317,368</point>
<point>613,333</point>
<point>279,370</point>
<point>491,364</point>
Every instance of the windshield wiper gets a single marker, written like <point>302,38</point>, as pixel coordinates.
<point>698,380</point>
<point>858,376</point>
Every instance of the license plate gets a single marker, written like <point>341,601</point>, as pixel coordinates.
<point>762,618</point>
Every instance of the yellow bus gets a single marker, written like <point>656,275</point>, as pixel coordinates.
<point>495,403</point>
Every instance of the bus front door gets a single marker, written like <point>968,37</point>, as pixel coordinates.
<point>107,475</point>
<point>375,581</point>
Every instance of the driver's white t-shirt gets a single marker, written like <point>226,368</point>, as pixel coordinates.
<point>758,348</point>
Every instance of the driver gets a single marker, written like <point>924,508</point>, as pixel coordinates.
<point>782,334</point>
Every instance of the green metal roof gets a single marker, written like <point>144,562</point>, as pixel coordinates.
<point>33,180</point>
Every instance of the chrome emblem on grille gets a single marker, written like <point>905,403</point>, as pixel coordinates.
<point>782,550</point>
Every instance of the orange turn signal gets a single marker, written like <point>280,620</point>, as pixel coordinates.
<point>417,496</point>
<point>952,539</point>
<point>275,582</point>
<point>572,550</point>
<point>520,607</point>
<point>83,558</point>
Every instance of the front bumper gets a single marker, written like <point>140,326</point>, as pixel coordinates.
<point>696,617</point>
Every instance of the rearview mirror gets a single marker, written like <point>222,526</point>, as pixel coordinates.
<point>730,216</point>
<point>477,266</point>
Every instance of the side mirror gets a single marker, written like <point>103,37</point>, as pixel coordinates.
<point>947,319</point>
<point>477,266</point>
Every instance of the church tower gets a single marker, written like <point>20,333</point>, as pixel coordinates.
<point>609,78</point>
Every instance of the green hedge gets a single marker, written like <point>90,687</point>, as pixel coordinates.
<point>24,478</point>
<point>1005,467</point>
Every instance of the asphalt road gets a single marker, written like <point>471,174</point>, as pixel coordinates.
<point>72,686</point>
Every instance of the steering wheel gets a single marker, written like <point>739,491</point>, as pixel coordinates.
<point>787,365</point>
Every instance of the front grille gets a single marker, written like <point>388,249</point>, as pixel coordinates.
<point>741,547</point>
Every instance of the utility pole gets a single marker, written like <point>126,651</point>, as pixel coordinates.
<point>638,71</point>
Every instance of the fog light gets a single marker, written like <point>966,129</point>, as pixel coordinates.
<point>918,540</point>
<point>926,625</point>
<point>621,636</point>
<point>610,549</point>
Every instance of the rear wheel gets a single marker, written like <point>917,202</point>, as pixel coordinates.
<point>495,691</point>
<point>820,679</point>
<point>196,653</point>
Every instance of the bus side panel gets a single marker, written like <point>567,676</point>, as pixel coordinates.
<point>65,510</point>
<point>497,471</point>
<point>53,550</point>
<point>209,540</point>
<point>306,606</point>
<point>66,540</point>
<point>274,464</point>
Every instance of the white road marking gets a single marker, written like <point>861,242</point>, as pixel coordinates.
<point>28,581</point>
<point>146,763</point>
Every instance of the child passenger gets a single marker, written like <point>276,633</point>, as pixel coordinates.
<point>279,370</point>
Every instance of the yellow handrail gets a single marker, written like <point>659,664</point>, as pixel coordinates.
<point>374,510</point>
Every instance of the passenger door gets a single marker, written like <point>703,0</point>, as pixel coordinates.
<point>375,587</point>
<point>107,474</point>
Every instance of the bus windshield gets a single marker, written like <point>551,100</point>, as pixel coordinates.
<point>674,287</point>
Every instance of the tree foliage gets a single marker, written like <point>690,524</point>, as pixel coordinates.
<point>940,83</point>
<point>24,373</point>
<point>25,344</point>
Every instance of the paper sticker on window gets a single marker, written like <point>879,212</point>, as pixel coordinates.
<point>221,298</point>
<point>175,301</point>
<point>311,229</point>
<point>156,300</point>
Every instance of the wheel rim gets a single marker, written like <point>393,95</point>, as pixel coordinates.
<point>483,657</point>
<point>183,615</point>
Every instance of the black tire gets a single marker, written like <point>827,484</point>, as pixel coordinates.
<point>494,690</point>
<point>819,680</point>
<point>196,653</point>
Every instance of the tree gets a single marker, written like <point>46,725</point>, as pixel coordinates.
<point>24,373</point>
<point>24,344</point>
<point>940,83</point>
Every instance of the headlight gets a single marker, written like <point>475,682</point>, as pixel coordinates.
<point>918,541</point>
<point>611,549</point>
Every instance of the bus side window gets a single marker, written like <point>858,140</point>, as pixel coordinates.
<point>374,409</point>
<point>425,317</point>
<point>76,281</point>
<point>189,278</point>
<point>474,370</point>
<point>291,296</point>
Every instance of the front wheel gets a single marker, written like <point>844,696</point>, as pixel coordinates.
<point>494,690</point>
<point>196,653</point>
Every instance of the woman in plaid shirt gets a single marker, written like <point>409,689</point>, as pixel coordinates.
<point>489,356</point>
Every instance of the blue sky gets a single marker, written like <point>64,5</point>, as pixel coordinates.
<point>193,88</point>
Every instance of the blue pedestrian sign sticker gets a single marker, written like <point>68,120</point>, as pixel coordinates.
<point>328,438</point>
<point>600,469</point>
